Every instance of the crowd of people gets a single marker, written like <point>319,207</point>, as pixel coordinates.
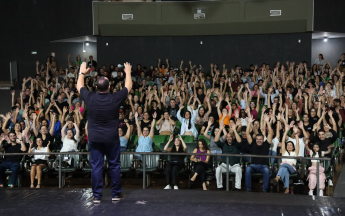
<point>291,109</point>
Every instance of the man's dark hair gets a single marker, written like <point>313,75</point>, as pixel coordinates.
<point>102,84</point>
<point>260,135</point>
<point>12,132</point>
<point>337,101</point>
<point>321,130</point>
<point>14,108</point>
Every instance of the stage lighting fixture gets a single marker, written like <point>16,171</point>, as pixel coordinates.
<point>325,39</point>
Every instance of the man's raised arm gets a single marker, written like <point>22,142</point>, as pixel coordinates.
<point>128,70</point>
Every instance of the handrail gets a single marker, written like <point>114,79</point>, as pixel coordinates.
<point>169,153</point>
<point>187,154</point>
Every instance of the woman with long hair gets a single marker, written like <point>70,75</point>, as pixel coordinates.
<point>40,160</point>
<point>187,122</point>
<point>165,124</point>
<point>315,152</point>
<point>124,137</point>
<point>200,162</point>
<point>176,162</point>
<point>69,139</point>
<point>287,166</point>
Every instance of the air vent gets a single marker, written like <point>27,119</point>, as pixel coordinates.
<point>199,16</point>
<point>275,12</point>
<point>127,16</point>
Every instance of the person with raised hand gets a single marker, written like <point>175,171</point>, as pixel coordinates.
<point>12,162</point>
<point>41,161</point>
<point>288,165</point>
<point>124,137</point>
<point>259,147</point>
<point>145,136</point>
<point>230,144</point>
<point>103,123</point>
<point>187,122</point>
<point>176,162</point>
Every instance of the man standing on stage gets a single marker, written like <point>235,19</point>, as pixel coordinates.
<point>103,122</point>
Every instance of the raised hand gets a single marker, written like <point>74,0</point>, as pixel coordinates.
<point>330,112</point>
<point>8,115</point>
<point>237,113</point>
<point>266,118</point>
<point>295,129</point>
<point>179,136</point>
<point>83,68</point>
<point>250,119</point>
<point>154,115</point>
<point>171,137</point>
<point>125,120</point>
<point>300,124</point>
<point>221,125</point>
<point>128,68</point>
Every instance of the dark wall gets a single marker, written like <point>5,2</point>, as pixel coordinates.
<point>30,25</point>
<point>329,15</point>
<point>231,50</point>
<point>331,50</point>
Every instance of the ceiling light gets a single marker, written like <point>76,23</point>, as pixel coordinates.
<point>325,39</point>
<point>87,44</point>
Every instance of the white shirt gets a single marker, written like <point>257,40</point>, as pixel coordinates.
<point>40,157</point>
<point>301,146</point>
<point>274,144</point>
<point>69,144</point>
<point>244,121</point>
<point>70,75</point>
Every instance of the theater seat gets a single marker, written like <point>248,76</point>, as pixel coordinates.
<point>203,137</point>
<point>152,162</point>
<point>18,181</point>
<point>126,162</point>
<point>132,143</point>
<point>188,139</point>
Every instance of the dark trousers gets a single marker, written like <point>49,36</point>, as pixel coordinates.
<point>112,151</point>
<point>200,168</point>
<point>13,166</point>
<point>172,172</point>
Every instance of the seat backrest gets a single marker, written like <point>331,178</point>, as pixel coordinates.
<point>126,160</point>
<point>152,161</point>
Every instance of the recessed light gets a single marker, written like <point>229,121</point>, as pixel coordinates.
<point>325,39</point>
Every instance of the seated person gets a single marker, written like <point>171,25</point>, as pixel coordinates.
<point>176,162</point>
<point>145,137</point>
<point>200,162</point>
<point>288,165</point>
<point>70,141</point>
<point>40,160</point>
<point>124,137</point>
<point>12,162</point>
<point>231,146</point>
<point>165,124</point>
<point>316,152</point>
<point>187,122</point>
<point>258,147</point>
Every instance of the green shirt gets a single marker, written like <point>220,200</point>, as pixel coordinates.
<point>235,148</point>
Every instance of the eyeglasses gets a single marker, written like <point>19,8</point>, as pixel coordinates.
<point>145,130</point>
<point>13,135</point>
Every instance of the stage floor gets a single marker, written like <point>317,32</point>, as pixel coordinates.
<point>15,202</point>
